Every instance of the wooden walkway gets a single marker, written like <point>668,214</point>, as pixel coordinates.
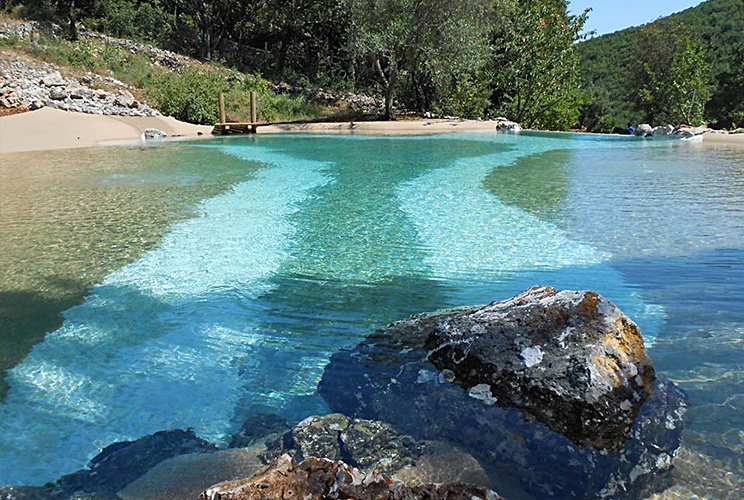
<point>225,128</point>
<point>235,128</point>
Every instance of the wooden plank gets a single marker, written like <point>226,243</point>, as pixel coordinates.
<point>253,112</point>
<point>223,116</point>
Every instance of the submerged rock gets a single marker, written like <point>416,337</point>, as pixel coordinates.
<point>376,446</point>
<point>121,463</point>
<point>551,388</point>
<point>322,478</point>
<point>259,428</point>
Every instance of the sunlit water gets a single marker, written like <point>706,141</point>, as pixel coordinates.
<point>248,262</point>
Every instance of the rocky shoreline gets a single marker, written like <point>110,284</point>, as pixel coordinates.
<point>546,395</point>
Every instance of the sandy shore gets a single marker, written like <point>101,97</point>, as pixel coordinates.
<point>48,129</point>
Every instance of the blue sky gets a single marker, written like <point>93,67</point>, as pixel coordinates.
<point>612,15</point>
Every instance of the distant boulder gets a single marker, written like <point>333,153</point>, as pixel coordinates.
<point>154,133</point>
<point>644,130</point>
<point>663,130</point>
<point>505,125</point>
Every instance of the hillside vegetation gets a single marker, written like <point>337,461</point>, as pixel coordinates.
<point>612,63</point>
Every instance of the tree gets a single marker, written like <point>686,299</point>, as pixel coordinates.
<point>671,80</point>
<point>535,65</point>
<point>436,38</point>
<point>726,106</point>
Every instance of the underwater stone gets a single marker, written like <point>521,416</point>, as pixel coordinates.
<point>259,428</point>
<point>121,463</point>
<point>573,425</point>
<point>375,446</point>
<point>322,478</point>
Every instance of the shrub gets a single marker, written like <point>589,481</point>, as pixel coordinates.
<point>189,96</point>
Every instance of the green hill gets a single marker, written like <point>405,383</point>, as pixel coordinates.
<point>717,24</point>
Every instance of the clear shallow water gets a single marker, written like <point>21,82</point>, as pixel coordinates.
<point>314,241</point>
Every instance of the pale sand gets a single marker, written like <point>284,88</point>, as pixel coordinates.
<point>49,128</point>
<point>728,139</point>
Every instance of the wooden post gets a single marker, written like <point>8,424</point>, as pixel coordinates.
<point>253,112</point>
<point>223,117</point>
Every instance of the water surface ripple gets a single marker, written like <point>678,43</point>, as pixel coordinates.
<point>311,242</point>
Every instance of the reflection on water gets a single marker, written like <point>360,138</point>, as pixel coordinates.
<point>302,245</point>
<point>68,218</point>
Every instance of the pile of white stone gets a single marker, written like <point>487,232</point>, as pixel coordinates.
<point>34,85</point>
<point>680,131</point>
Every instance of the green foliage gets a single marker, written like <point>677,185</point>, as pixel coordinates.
<point>190,95</point>
<point>536,66</point>
<point>434,40</point>
<point>145,21</point>
<point>469,98</point>
<point>610,66</point>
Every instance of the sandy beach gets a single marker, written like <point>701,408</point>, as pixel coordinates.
<point>49,129</point>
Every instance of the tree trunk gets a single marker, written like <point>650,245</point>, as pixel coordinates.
<point>73,22</point>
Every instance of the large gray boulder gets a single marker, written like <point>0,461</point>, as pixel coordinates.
<point>644,130</point>
<point>551,388</point>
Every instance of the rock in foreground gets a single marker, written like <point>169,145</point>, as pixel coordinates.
<point>550,388</point>
<point>321,479</point>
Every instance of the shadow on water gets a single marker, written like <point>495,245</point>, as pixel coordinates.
<point>538,184</point>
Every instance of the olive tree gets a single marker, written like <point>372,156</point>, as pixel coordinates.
<point>536,68</point>
<point>439,38</point>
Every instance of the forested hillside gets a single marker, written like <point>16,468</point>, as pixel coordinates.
<point>613,63</point>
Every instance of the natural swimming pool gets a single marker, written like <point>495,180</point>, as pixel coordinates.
<point>203,283</point>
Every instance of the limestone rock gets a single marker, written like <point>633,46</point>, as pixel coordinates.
<point>125,99</point>
<point>644,130</point>
<point>505,125</point>
<point>663,130</point>
<point>53,80</point>
<point>553,387</point>
<point>324,479</point>
<point>58,94</point>
<point>738,131</point>
<point>154,133</point>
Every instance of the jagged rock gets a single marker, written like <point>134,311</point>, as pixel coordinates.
<point>506,125</point>
<point>121,463</point>
<point>376,446</point>
<point>495,380</point>
<point>58,94</point>
<point>687,131</point>
<point>125,99</point>
<point>738,131</point>
<point>644,130</point>
<point>663,130</point>
<point>53,80</point>
<point>153,133</point>
<point>324,479</point>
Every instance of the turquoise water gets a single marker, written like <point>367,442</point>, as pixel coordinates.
<point>238,308</point>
